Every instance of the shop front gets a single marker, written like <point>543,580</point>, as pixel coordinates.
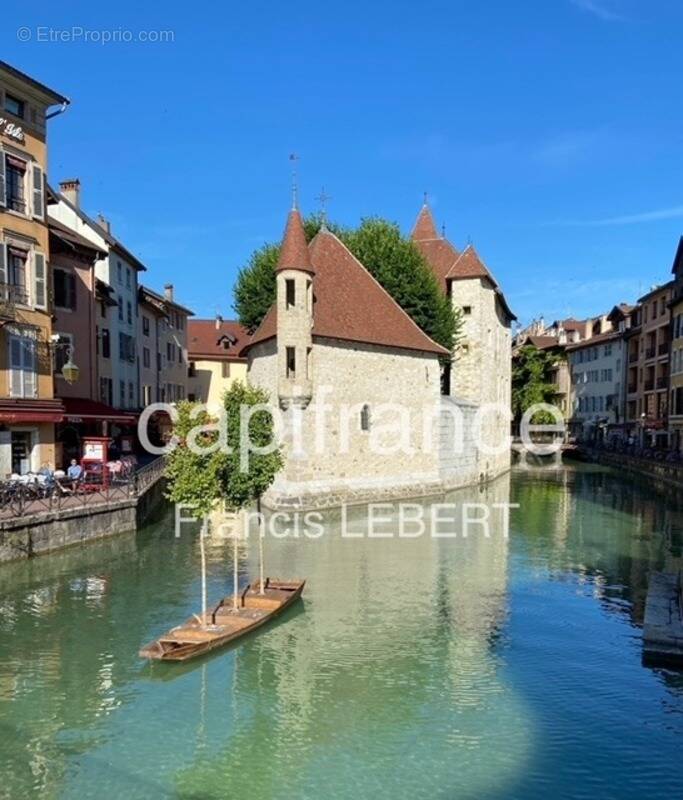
<point>85,418</point>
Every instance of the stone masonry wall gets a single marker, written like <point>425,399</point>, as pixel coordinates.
<point>482,366</point>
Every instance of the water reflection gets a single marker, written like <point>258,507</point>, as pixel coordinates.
<point>415,666</point>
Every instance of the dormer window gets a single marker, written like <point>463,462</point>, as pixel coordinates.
<point>290,293</point>
<point>14,106</point>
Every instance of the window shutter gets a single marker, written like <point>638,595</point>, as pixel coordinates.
<point>3,201</point>
<point>3,271</point>
<point>29,366</point>
<point>38,192</point>
<point>15,366</point>
<point>39,287</point>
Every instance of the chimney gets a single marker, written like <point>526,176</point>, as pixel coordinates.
<point>71,189</point>
<point>103,222</point>
<point>168,292</point>
<point>219,321</point>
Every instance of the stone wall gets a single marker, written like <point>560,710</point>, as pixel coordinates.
<point>330,459</point>
<point>33,535</point>
<point>482,366</point>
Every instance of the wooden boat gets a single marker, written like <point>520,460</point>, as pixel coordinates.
<point>225,623</point>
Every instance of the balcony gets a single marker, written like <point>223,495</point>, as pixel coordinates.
<point>662,383</point>
<point>650,352</point>
<point>632,358</point>
<point>11,296</point>
<point>649,386</point>
<point>663,348</point>
<point>632,388</point>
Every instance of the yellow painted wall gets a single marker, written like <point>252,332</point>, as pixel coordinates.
<point>208,383</point>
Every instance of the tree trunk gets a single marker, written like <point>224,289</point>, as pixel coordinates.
<point>235,575</point>
<point>202,550</point>
<point>260,546</point>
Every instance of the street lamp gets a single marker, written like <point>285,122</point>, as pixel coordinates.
<point>70,371</point>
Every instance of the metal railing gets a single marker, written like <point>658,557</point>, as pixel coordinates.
<point>38,494</point>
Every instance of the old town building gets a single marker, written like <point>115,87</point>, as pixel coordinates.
<point>597,365</point>
<point>28,409</point>
<point>355,378</point>
<point>480,371</point>
<point>649,340</point>
<point>118,271</point>
<point>676,379</point>
<point>214,347</point>
<point>163,348</point>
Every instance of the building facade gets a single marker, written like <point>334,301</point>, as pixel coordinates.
<point>649,341</point>
<point>163,355</point>
<point>354,379</point>
<point>480,371</point>
<point>28,409</point>
<point>676,373</point>
<point>215,362</point>
<point>118,271</point>
<point>596,367</point>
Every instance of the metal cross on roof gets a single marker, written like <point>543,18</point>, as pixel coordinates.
<point>322,198</point>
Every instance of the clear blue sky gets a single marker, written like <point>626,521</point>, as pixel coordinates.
<point>548,131</point>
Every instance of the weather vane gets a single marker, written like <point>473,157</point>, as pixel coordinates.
<point>322,198</point>
<point>293,157</point>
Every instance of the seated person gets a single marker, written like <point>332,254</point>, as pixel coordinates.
<point>75,470</point>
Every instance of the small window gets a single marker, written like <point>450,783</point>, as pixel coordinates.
<point>14,106</point>
<point>129,310</point>
<point>365,418</point>
<point>120,308</point>
<point>170,351</point>
<point>122,394</point>
<point>146,358</point>
<point>290,288</point>
<point>226,369</point>
<point>291,362</point>
<point>128,277</point>
<point>145,326</point>
<point>191,370</point>
<point>467,310</point>
<point>64,289</point>
<point>119,272</point>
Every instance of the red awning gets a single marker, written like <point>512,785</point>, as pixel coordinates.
<point>80,409</point>
<point>16,410</point>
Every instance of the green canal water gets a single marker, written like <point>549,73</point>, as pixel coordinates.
<point>500,666</point>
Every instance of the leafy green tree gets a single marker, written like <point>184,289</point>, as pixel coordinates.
<point>202,472</point>
<point>389,256</point>
<point>531,381</point>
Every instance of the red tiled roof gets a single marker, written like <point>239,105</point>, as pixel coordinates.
<point>599,337</point>
<point>425,227</point>
<point>205,340</point>
<point>470,265</point>
<point>440,255</point>
<point>351,305</point>
<point>543,342</point>
<point>294,251</point>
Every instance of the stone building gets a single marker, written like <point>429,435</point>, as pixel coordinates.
<point>354,378</point>
<point>649,340</point>
<point>214,347</point>
<point>28,409</point>
<point>676,377</point>
<point>480,372</point>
